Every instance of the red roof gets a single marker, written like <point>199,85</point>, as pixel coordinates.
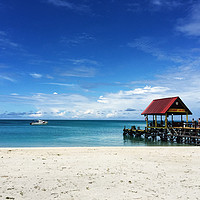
<point>159,106</point>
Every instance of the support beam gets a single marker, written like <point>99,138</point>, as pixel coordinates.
<point>182,120</point>
<point>165,120</point>
<point>155,120</point>
<point>147,121</point>
<point>187,119</point>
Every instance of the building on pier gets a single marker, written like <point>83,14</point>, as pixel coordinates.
<point>164,129</point>
<point>164,108</point>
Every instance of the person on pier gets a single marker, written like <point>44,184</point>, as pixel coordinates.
<point>193,123</point>
<point>199,123</point>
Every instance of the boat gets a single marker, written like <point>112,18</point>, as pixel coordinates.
<point>38,122</point>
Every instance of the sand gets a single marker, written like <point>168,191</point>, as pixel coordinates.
<point>100,173</point>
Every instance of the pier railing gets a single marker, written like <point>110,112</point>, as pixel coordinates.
<point>188,133</point>
<point>174,124</point>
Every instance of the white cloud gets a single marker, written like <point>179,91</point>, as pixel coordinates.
<point>155,48</point>
<point>61,3</point>
<point>49,76</point>
<point>84,61</point>
<point>191,24</point>
<point>6,42</point>
<point>178,78</point>
<point>148,45</point>
<point>111,115</point>
<point>157,2</point>
<point>7,78</point>
<point>102,100</point>
<point>116,105</point>
<point>88,112</point>
<point>35,75</point>
<point>69,5</point>
<point>37,114</point>
<point>146,89</point>
<point>77,40</point>
<point>14,94</point>
<point>62,84</point>
<point>154,5</point>
<point>167,3</point>
<point>180,81</point>
<point>80,72</point>
<point>61,114</point>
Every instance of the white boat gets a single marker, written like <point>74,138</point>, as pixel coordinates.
<point>38,122</point>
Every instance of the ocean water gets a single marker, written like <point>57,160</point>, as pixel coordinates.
<point>70,133</point>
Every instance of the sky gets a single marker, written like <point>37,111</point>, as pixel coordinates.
<point>97,59</point>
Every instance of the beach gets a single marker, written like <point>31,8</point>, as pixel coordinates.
<point>100,173</point>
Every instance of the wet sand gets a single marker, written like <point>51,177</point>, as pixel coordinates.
<point>100,173</point>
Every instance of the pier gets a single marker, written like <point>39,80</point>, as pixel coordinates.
<point>167,130</point>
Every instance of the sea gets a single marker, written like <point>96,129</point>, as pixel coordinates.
<point>72,133</point>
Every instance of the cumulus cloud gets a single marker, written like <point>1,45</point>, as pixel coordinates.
<point>146,89</point>
<point>36,115</point>
<point>123,104</point>
<point>111,115</point>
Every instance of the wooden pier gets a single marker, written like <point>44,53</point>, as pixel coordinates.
<point>180,135</point>
<point>165,130</point>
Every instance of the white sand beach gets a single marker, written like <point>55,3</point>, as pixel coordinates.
<point>100,173</point>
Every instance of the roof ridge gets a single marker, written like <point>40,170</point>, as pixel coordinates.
<point>166,98</point>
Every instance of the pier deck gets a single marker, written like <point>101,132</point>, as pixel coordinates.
<point>186,135</point>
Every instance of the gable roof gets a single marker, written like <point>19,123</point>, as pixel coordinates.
<point>161,106</point>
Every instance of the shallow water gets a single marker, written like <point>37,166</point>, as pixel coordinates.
<point>70,133</point>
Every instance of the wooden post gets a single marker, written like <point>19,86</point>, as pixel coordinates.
<point>186,119</point>
<point>165,120</point>
<point>172,120</point>
<point>155,120</point>
<point>147,121</point>
<point>181,120</point>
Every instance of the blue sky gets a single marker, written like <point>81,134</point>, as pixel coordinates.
<point>97,59</point>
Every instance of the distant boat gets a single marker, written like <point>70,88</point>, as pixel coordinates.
<point>38,122</point>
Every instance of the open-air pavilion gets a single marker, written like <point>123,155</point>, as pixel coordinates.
<point>160,123</point>
<point>161,109</point>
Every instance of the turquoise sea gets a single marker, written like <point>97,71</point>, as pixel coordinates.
<point>69,133</point>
